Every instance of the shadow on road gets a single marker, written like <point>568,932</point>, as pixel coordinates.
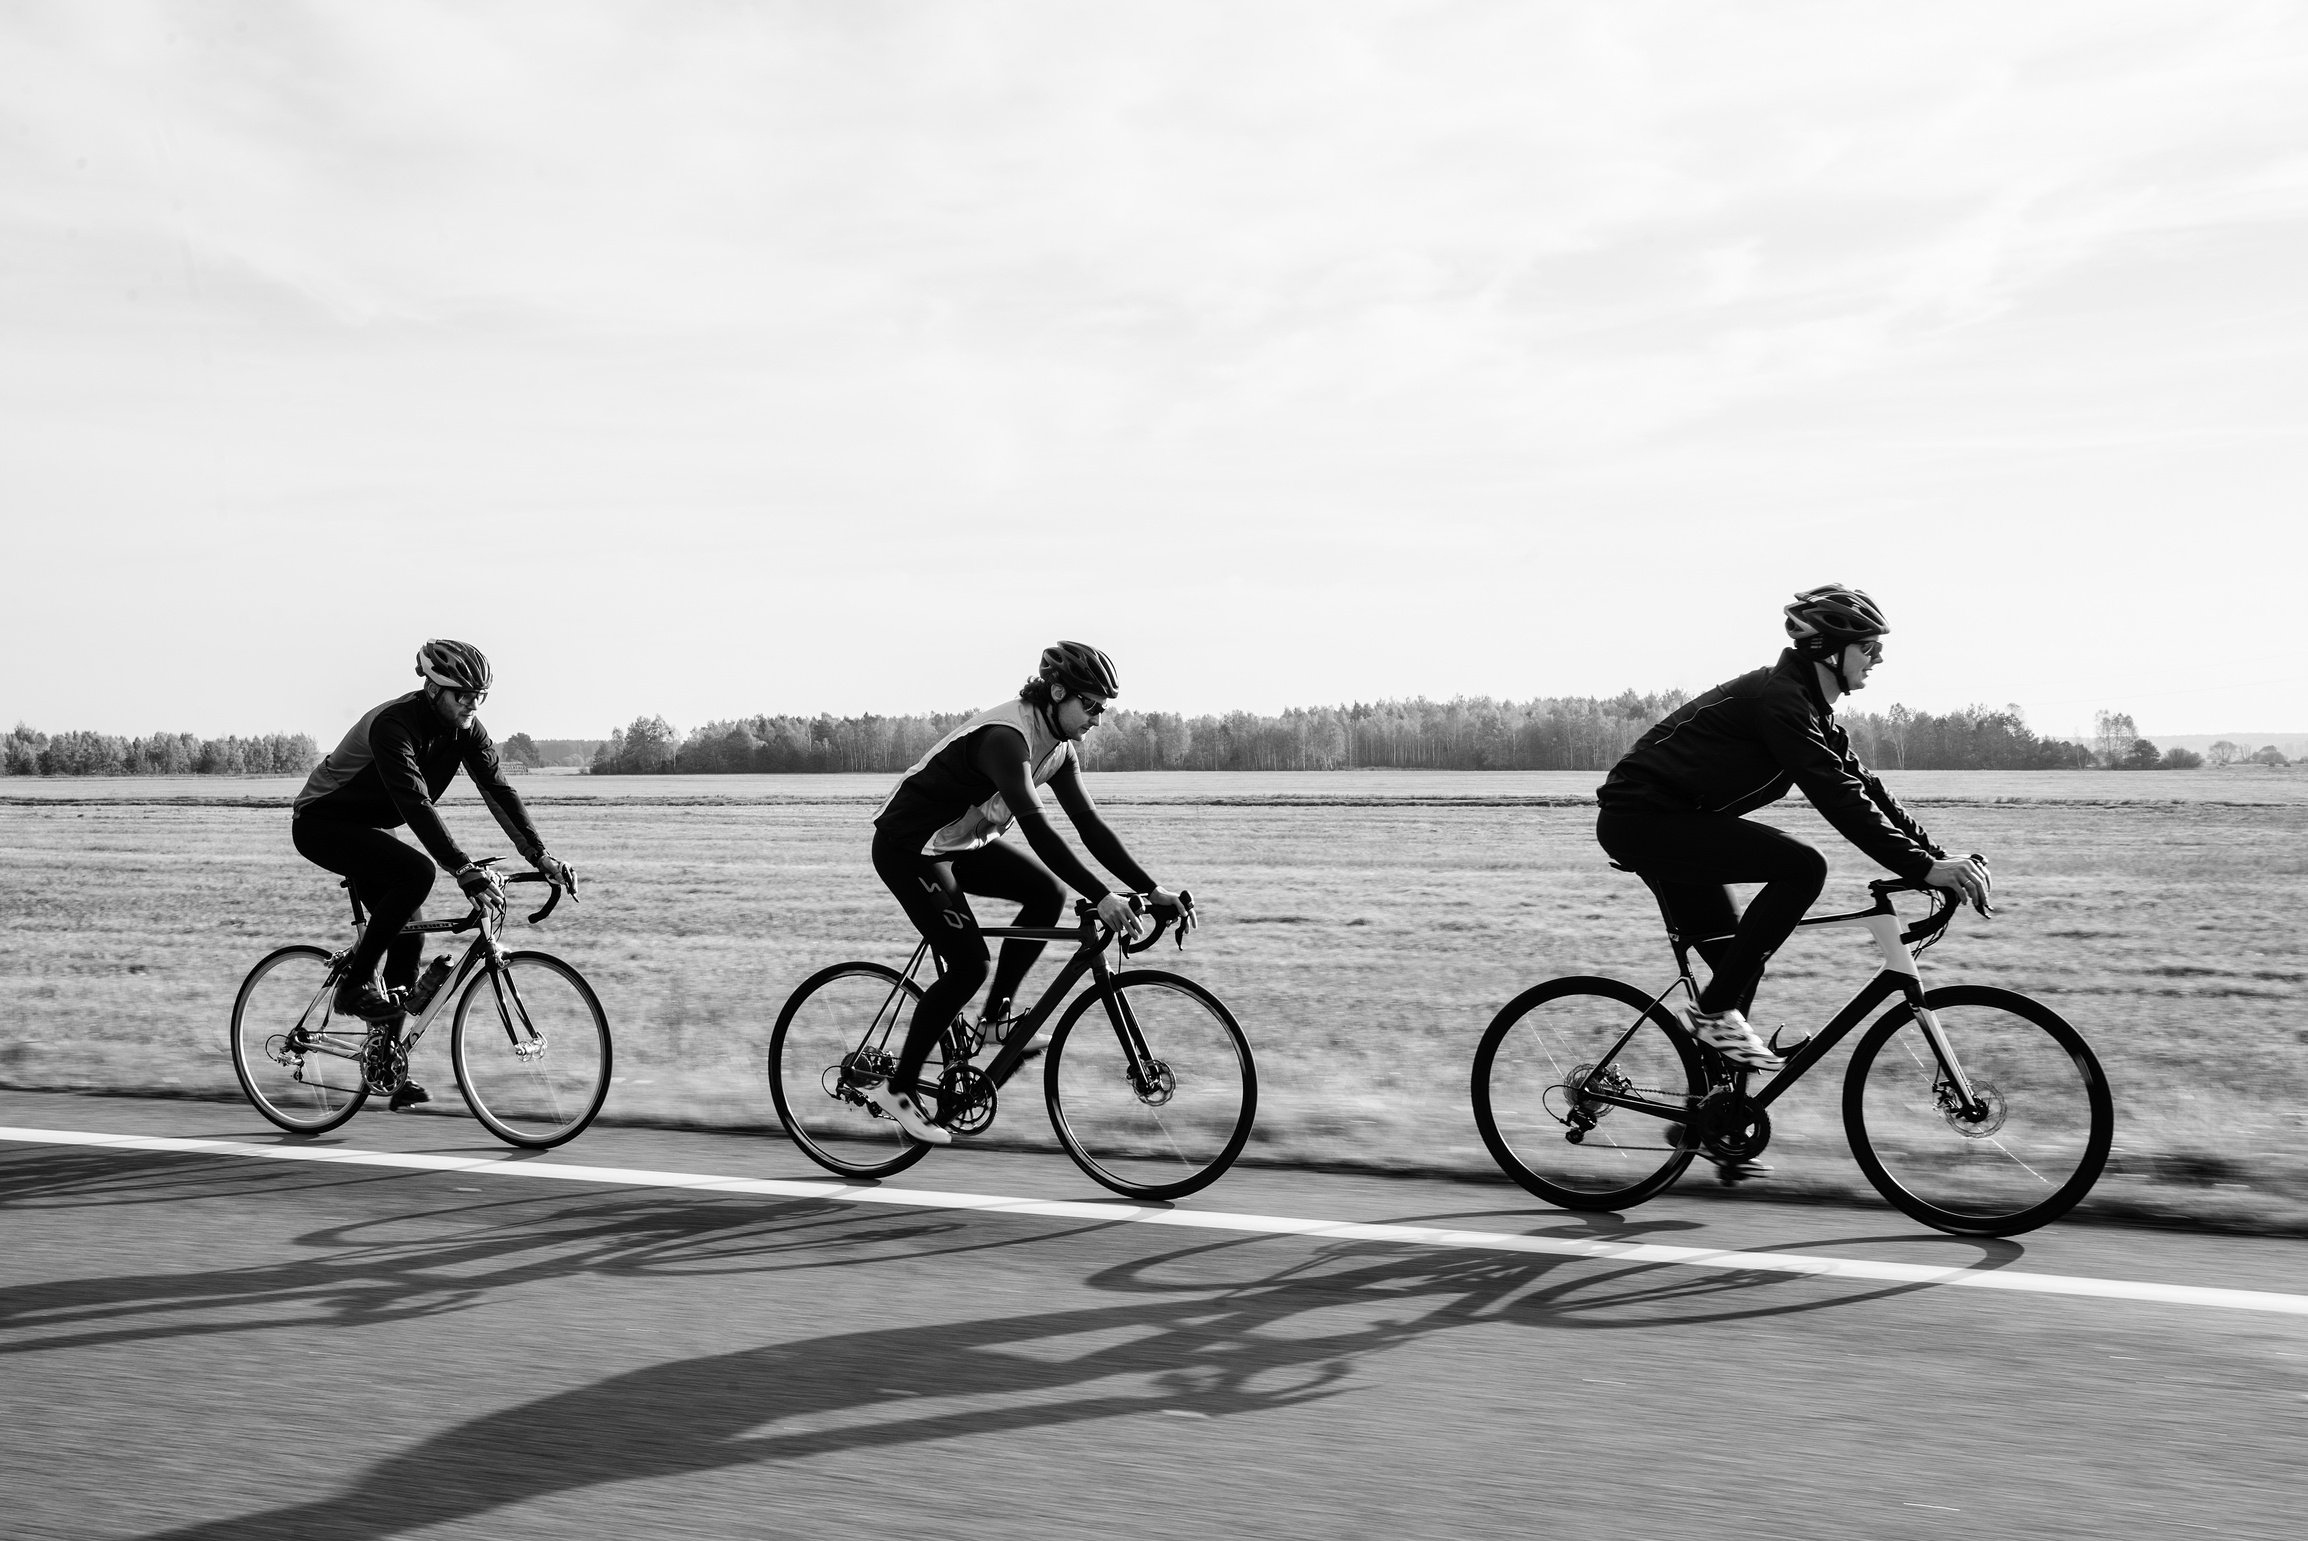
<point>1238,1326</point>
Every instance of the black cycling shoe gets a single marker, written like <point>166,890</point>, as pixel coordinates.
<point>407,1096</point>
<point>364,1000</point>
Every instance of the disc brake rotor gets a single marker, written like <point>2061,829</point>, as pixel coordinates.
<point>1987,1115</point>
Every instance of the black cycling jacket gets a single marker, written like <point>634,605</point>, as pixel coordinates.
<point>1745,743</point>
<point>397,760</point>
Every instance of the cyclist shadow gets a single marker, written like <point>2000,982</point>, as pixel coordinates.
<point>1196,1334</point>
<point>421,1263</point>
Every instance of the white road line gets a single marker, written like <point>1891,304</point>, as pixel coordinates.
<point>1209,1220</point>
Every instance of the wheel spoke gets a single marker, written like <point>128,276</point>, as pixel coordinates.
<point>298,1070</point>
<point>532,1050</point>
<point>1533,1061</point>
<point>841,1032</point>
<point>1162,1135</point>
<point>2028,1146</point>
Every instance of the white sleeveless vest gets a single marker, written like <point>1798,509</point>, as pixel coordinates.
<point>991,819</point>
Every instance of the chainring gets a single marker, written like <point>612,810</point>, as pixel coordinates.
<point>1730,1127</point>
<point>966,1099</point>
<point>384,1061</point>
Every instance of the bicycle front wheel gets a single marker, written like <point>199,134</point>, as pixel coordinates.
<point>1538,1069</point>
<point>300,1065</point>
<point>1150,1085</point>
<point>2031,1146</point>
<point>531,1048</point>
<point>840,1033</point>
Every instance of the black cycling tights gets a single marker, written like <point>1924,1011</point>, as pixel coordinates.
<point>1686,858</point>
<point>392,880</point>
<point>934,892</point>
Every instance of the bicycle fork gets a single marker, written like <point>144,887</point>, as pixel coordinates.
<point>1150,1078</point>
<point>1952,1087</point>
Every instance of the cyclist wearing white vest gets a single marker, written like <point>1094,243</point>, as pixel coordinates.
<point>938,839</point>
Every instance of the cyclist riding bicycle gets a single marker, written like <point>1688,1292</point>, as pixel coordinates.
<point>391,767</point>
<point>1671,808</point>
<point>938,839</point>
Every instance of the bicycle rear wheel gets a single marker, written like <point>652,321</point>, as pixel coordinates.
<point>531,1048</point>
<point>1546,1046</point>
<point>840,1033</point>
<point>1159,1125</point>
<point>300,1066</point>
<point>2036,1149</point>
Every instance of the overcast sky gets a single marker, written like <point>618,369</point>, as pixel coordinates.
<point>706,359</point>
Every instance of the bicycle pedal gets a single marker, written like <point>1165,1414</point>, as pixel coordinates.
<point>1732,1173</point>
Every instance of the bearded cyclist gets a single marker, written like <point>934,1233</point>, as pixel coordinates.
<point>389,771</point>
<point>1671,808</point>
<point>937,840</point>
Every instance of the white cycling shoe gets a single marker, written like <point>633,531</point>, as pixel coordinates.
<point>1727,1033</point>
<point>908,1114</point>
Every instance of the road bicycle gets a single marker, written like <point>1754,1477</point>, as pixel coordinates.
<point>529,1041</point>
<point>1975,1110</point>
<point>1148,1078</point>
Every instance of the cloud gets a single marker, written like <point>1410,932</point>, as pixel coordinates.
<point>917,286</point>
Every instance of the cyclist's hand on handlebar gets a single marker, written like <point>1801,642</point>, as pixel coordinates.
<point>482,886</point>
<point>1118,916</point>
<point>557,872</point>
<point>1176,903</point>
<point>1968,877</point>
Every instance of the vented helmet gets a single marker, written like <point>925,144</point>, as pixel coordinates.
<point>1080,667</point>
<point>1825,620</point>
<point>453,665</point>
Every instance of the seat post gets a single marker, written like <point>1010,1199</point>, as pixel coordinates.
<point>353,897</point>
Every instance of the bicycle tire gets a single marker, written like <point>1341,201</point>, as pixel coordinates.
<point>276,1001</point>
<point>827,1021</point>
<point>1147,1140</point>
<point>534,1060</point>
<point>1522,1082</point>
<point>2054,1117</point>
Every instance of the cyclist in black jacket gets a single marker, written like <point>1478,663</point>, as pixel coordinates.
<point>388,771</point>
<point>1672,806</point>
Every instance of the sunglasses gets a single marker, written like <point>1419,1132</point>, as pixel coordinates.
<point>1092,708</point>
<point>473,697</point>
<point>1873,650</point>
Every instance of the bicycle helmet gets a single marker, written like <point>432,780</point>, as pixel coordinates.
<point>1825,620</point>
<point>453,665</point>
<point>1080,668</point>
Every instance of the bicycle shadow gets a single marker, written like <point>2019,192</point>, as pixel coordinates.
<point>440,1259</point>
<point>1194,1334</point>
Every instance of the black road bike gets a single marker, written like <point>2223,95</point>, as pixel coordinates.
<point>1974,1109</point>
<point>529,1041</point>
<point>1148,1078</point>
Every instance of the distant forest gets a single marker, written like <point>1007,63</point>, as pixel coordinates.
<point>26,752</point>
<point>1575,733</point>
<point>1581,733</point>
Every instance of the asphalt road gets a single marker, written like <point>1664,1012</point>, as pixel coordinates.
<point>221,1345</point>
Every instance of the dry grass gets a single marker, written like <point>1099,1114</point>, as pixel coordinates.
<point>1364,926</point>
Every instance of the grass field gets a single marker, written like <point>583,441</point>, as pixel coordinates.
<point>1363,925</point>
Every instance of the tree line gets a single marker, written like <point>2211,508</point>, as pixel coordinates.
<point>28,752</point>
<point>1576,733</point>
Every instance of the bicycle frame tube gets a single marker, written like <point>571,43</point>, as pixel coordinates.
<point>1089,958</point>
<point>1899,976</point>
